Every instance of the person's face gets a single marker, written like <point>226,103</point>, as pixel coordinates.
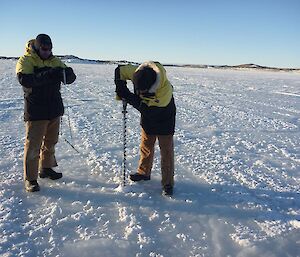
<point>45,52</point>
<point>138,91</point>
<point>142,92</point>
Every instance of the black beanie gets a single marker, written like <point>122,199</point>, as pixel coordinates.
<point>42,40</point>
<point>144,78</point>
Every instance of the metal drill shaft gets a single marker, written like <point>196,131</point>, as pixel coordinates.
<point>124,140</point>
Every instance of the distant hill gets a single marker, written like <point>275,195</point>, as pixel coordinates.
<point>8,58</point>
<point>249,66</point>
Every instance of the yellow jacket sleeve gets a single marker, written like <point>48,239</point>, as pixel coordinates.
<point>127,71</point>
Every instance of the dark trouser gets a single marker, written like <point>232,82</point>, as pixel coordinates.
<point>166,146</point>
<point>39,150</point>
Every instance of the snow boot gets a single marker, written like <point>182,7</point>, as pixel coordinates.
<point>32,186</point>
<point>49,173</point>
<point>168,190</point>
<point>138,177</point>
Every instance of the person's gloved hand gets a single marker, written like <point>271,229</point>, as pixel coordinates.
<point>69,71</point>
<point>70,75</point>
<point>120,83</point>
<point>56,73</point>
<point>122,89</point>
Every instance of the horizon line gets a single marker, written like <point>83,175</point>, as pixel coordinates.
<point>174,64</point>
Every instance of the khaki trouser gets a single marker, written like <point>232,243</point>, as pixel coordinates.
<point>41,137</point>
<point>166,152</point>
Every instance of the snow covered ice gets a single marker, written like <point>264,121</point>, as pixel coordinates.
<point>237,147</point>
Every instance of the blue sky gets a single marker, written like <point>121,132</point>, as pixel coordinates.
<point>264,32</point>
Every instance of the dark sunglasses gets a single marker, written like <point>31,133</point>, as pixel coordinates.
<point>45,49</point>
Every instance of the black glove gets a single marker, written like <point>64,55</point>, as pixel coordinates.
<point>70,75</point>
<point>122,89</point>
<point>55,74</point>
<point>52,75</point>
<point>120,83</point>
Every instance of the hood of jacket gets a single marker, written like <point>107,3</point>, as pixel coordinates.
<point>30,51</point>
<point>31,60</point>
<point>162,88</point>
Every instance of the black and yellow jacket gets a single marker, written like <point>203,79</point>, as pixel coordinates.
<point>158,111</point>
<point>41,87</point>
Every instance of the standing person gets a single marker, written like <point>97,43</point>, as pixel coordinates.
<point>40,73</point>
<point>153,97</point>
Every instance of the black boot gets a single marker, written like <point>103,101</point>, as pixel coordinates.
<point>168,190</point>
<point>49,173</point>
<point>138,177</point>
<point>32,186</point>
